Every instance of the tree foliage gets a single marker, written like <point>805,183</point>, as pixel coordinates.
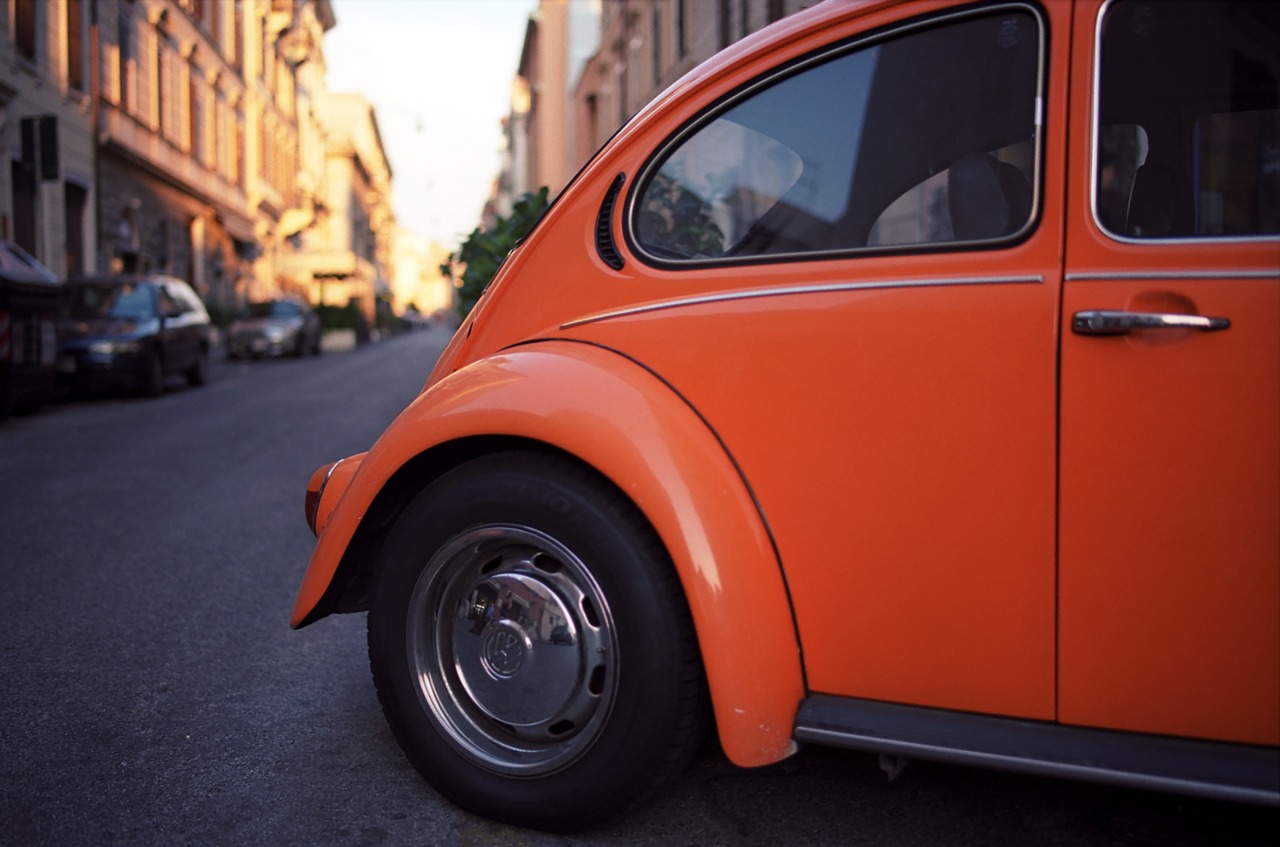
<point>485,249</point>
<point>678,222</point>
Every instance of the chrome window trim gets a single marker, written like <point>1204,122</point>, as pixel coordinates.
<point>1094,125</point>
<point>1095,122</point>
<point>704,117</point>
<point>1234,273</point>
<point>780,291</point>
<point>1178,240</point>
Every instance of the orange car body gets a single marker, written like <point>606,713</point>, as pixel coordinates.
<point>905,476</point>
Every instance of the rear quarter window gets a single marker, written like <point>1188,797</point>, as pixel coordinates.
<point>926,136</point>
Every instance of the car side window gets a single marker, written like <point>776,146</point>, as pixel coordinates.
<point>1188,117</point>
<point>189,299</point>
<point>923,137</point>
<point>169,305</point>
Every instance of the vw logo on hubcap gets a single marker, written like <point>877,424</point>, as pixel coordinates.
<point>502,652</point>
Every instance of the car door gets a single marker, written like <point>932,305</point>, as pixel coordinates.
<point>875,234</point>
<point>177,332</point>
<point>1169,594</point>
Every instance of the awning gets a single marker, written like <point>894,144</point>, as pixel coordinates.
<point>239,228</point>
<point>18,265</point>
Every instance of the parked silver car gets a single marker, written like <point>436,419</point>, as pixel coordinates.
<point>277,327</point>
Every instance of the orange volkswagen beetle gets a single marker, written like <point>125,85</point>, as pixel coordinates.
<point>906,378</point>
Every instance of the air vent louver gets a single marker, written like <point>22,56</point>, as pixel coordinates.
<point>604,226</point>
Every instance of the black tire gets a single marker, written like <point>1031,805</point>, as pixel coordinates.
<point>153,375</point>
<point>531,646</point>
<point>198,374</point>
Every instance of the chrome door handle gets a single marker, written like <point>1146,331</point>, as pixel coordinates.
<point>1115,322</point>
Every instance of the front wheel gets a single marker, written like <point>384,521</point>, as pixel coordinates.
<point>153,374</point>
<point>531,646</point>
<point>198,373</point>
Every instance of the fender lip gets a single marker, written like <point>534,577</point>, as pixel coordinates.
<point>611,413</point>
<point>325,490</point>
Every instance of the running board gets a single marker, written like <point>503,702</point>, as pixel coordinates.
<point>1235,772</point>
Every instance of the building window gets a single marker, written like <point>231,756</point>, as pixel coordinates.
<point>75,44</point>
<point>268,69</point>
<point>620,73</point>
<point>593,119</point>
<point>24,28</point>
<point>656,45</point>
<point>222,143</point>
<point>235,140</point>
<point>289,172</point>
<point>76,204</point>
<point>237,37</point>
<point>124,56</point>
<point>215,27</point>
<point>195,115</point>
<point>23,180</point>
<point>682,34</point>
<point>266,156</point>
<point>161,85</point>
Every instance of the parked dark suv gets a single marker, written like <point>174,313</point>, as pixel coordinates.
<point>132,331</point>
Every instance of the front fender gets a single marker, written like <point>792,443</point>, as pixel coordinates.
<point>622,420</point>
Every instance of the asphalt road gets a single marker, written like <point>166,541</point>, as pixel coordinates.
<point>151,692</point>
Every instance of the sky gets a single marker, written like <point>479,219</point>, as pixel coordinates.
<point>439,75</point>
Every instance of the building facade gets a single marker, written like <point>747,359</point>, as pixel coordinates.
<point>175,165</point>
<point>191,137</point>
<point>587,66</point>
<point>646,45</point>
<point>47,189</point>
<point>419,285</point>
<point>346,254</point>
<point>539,131</point>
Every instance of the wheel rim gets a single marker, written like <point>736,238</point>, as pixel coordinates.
<point>513,649</point>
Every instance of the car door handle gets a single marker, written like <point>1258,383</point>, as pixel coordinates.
<point>1115,322</point>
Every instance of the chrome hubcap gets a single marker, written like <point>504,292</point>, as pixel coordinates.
<point>513,649</point>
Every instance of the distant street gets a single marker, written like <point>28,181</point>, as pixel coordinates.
<point>151,692</point>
